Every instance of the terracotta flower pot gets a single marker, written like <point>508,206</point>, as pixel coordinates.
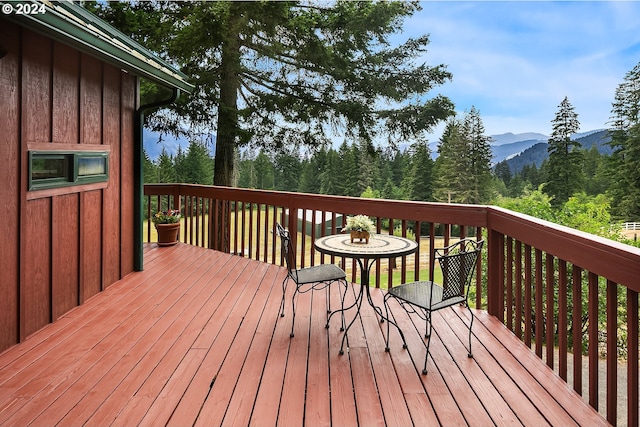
<point>359,235</point>
<point>168,234</point>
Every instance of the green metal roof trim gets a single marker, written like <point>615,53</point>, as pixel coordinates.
<point>73,25</point>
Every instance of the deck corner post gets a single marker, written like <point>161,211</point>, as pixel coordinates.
<point>495,285</point>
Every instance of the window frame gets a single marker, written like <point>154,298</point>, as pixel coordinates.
<point>71,176</point>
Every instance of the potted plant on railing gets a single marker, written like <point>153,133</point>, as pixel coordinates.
<point>359,227</point>
<point>168,226</point>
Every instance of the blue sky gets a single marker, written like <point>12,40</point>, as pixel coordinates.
<point>515,61</point>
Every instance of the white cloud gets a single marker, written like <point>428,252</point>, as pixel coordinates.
<point>516,61</point>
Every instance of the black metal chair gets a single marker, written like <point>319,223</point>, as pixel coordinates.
<point>458,263</point>
<point>309,278</point>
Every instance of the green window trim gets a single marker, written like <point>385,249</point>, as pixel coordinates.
<point>53,169</point>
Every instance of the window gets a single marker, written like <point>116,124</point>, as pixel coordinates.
<point>51,169</point>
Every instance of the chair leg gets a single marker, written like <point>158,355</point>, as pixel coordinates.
<point>470,326</point>
<point>343,295</point>
<point>342,309</point>
<point>429,327</point>
<point>284,291</point>
<point>387,297</point>
<point>293,306</point>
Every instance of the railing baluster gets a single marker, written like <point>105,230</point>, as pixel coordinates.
<point>612,351</point>
<point>509,282</point>
<point>539,309</point>
<point>518,296</point>
<point>577,329</point>
<point>593,340</point>
<point>562,319</point>
<point>528,285</point>
<point>632,357</point>
<point>549,310</point>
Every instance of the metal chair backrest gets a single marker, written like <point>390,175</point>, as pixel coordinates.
<point>287,248</point>
<point>458,262</point>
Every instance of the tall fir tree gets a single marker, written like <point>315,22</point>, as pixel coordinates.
<point>166,170</point>
<point>418,183</point>
<point>625,140</point>
<point>264,171</point>
<point>564,175</point>
<point>277,73</point>
<point>463,167</point>
<point>287,171</point>
<point>479,157</point>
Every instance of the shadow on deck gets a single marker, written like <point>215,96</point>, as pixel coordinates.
<point>195,339</point>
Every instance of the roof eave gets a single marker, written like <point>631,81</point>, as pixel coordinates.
<point>71,24</point>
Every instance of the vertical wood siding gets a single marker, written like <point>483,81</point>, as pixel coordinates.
<point>60,250</point>
<point>10,187</point>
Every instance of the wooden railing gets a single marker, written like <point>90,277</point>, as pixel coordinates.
<point>559,290</point>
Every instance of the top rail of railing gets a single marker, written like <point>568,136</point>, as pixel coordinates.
<point>616,261</point>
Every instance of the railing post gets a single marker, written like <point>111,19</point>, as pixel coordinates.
<point>495,273</point>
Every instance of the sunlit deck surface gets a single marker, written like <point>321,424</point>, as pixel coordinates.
<point>195,339</point>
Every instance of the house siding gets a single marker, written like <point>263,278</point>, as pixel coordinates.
<point>59,249</point>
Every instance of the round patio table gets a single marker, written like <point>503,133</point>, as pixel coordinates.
<point>379,246</point>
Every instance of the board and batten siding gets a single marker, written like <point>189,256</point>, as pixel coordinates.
<point>60,247</point>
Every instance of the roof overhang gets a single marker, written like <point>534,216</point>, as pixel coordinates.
<point>73,25</point>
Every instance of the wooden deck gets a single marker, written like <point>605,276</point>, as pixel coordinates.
<point>195,340</point>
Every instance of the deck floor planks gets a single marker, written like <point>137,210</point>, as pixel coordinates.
<point>443,402</point>
<point>160,412</point>
<point>343,407</point>
<point>392,400</point>
<point>241,403</point>
<point>543,375</point>
<point>61,372</point>
<point>317,403</point>
<point>504,390</point>
<point>291,407</point>
<point>123,360</point>
<point>215,407</point>
<point>223,323</point>
<point>175,338</point>
<point>493,402</point>
<point>146,394</point>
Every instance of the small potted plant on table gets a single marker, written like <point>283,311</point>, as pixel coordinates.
<point>359,227</point>
<point>168,226</point>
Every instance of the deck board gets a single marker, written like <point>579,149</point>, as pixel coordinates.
<point>196,339</point>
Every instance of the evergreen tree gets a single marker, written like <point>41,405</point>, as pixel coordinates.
<point>595,171</point>
<point>503,171</point>
<point>149,169</point>
<point>418,184</point>
<point>625,139</point>
<point>196,166</point>
<point>264,171</point>
<point>331,178</point>
<point>347,167</point>
<point>179,165</point>
<point>246,172</point>
<point>166,170</point>
<point>564,167</point>
<point>278,73</point>
<point>287,173</point>
<point>368,170</point>
<point>463,168</point>
<point>479,157</point>
<point>310,179</point>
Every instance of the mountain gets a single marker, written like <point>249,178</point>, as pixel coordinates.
<point>537,153</point>
<point>509,138</point>
<point>509,150</point>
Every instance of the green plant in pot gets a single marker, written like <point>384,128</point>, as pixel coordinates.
<point>167,224</point>
<point>359,227</point>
